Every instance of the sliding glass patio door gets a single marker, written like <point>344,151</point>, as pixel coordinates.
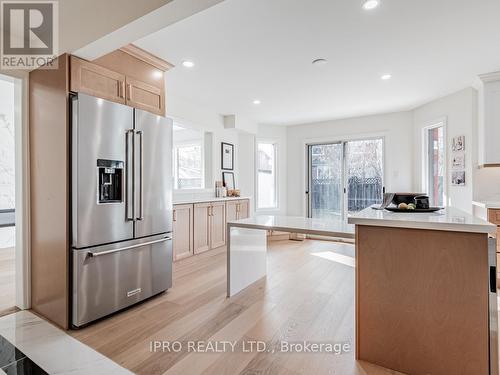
<point>364,171</point>
<point>344,177</point>
<point>325,180</point>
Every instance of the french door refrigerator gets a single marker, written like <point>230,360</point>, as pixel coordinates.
<point>121,192</point>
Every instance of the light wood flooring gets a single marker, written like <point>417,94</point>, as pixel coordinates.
<point>308,295</point>
<point>7,281</point>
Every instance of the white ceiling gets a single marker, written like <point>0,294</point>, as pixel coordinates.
<point>262,49</point>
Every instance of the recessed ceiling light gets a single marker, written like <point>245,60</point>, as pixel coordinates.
<point>319,62</point>
<point>187,64</point>
<point>385,77</point>
<point>371,4</point>
<point>256,102</point>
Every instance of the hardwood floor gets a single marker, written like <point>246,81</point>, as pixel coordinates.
<point>307,295</point>
<point>7,281</point>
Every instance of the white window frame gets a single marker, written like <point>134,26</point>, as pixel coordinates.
<point>425,156</point>
<point>275,143</point>
<point>175,155</point>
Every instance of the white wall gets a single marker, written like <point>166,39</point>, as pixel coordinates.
<point>199,117</point>
<point>396,128</point>
<point>460,111</point>
<point>278,135</point>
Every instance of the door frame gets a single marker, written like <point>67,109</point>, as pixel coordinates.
<point>343,141</point>
<point>438,122</point>
<point>22,188</point>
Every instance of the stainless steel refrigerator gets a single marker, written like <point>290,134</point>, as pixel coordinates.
<point>121,193</point>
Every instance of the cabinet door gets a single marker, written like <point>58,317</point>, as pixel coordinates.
<point>217,224</point>
<point>183,231</point>
<point>232,210</point>
<point>201,227</point>
<point>243,209</point>
<point>143,96</point>
<point>97,81</point>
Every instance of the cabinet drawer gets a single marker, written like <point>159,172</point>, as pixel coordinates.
<point>494,216</point>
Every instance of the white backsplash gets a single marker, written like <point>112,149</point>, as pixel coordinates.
<point>187,195</point>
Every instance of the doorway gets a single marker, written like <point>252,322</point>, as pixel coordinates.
<point>7,196</point>
<point>435,164</point>
<point>344,177</point>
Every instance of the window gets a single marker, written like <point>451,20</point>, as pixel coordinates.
<point>267,183</point>
<point>434,164</point>
<point>189,161</point>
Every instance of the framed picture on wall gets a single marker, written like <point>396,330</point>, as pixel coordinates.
<point>458,143</point>
<point>458,178</point>
<point>228,180</point>
<point>227,156</point>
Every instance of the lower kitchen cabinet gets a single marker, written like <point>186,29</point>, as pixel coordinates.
<point>217,225</point>
<point>238,209</point>
<point>494,217</point>
<point>183,229</point>
<point>200,227</point>
<point>244,209</point>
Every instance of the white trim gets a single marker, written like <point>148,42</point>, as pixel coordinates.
<point>490,77</point>
<point>275,143</point>
<point>440,121</point>
<point>22,189</point>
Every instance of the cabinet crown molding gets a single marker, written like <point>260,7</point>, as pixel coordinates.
<point>490,77</point>
<point>147,57</point>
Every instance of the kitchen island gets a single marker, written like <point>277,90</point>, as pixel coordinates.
<point>426,292</point>
<point>247,243</point>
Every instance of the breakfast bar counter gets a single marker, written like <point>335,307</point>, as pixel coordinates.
<point>426,292</point>
<point>247,243</point>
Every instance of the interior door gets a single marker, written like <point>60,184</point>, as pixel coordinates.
<point>364,166</point>
<point>153,174</point>
<point>325,185</point>
<point>100,166</point>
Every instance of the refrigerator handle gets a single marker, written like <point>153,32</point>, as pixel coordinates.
<point>129,212</point>
<point>141,176</point>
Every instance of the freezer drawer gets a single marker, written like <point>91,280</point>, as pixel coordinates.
<point>109,278</point>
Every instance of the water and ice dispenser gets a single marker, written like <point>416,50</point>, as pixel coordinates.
<point>110,181</point>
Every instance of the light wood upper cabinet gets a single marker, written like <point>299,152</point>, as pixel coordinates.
<point>217,224</point>
<point>95,80</point>
<point>201,227</point>
<point>129,76</point>
<point>183,231</point>
<point>143,96</point>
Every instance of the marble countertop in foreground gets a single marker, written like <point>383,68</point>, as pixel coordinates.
<point>448,219</point>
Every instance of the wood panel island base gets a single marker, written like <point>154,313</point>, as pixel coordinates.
<point>425,303</point>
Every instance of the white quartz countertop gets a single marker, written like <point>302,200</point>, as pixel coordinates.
<point>297,224</point>
<point>203,200</point>
<point>448,219</point>
<point>488,203</point>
